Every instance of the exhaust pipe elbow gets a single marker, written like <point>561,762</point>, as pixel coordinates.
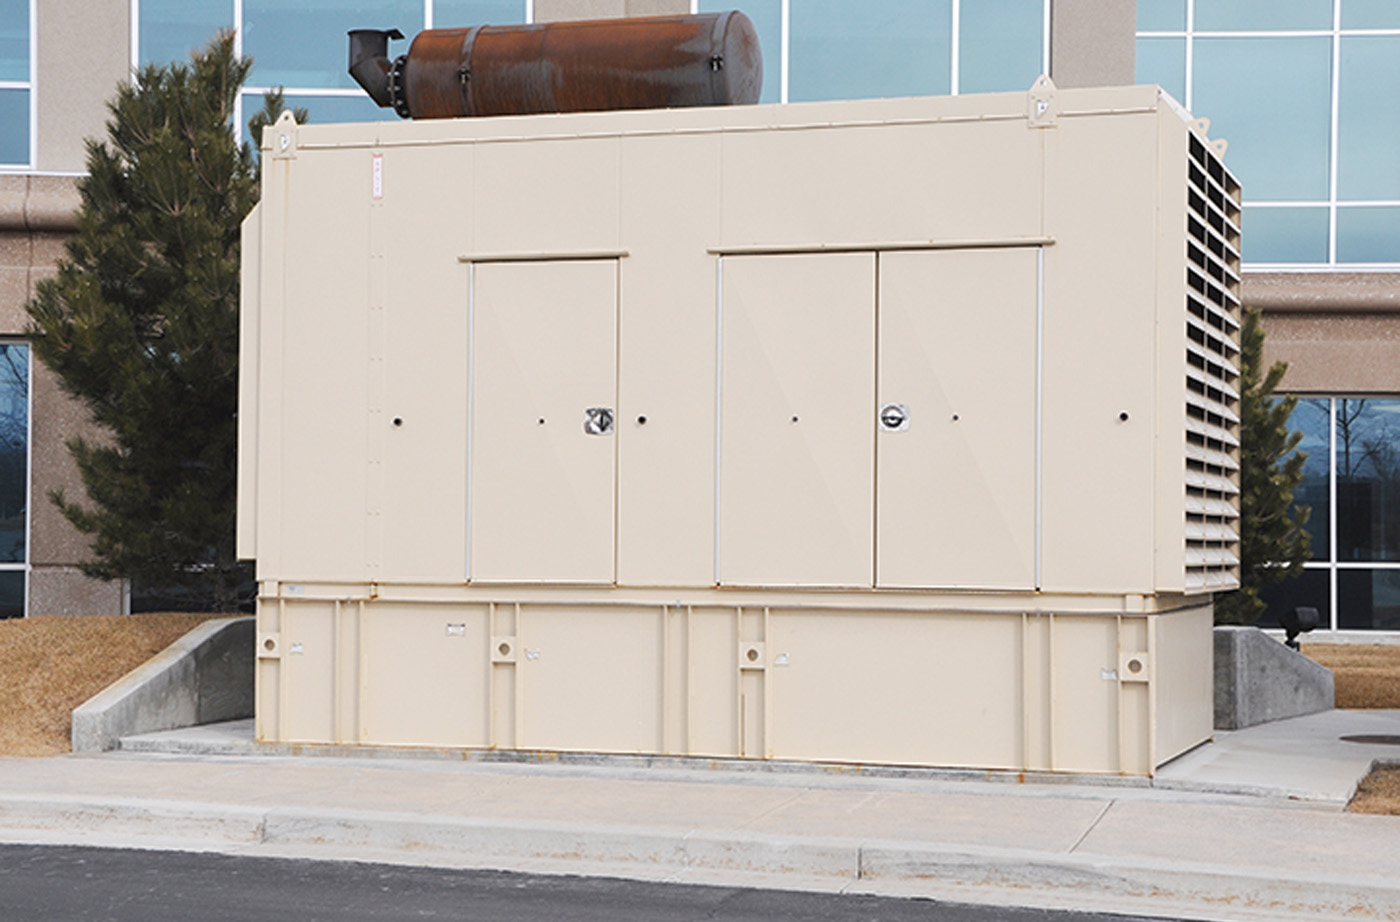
<point>370,65</point>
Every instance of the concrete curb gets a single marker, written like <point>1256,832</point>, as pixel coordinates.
<point>984,875</point>
<point>205,676</point>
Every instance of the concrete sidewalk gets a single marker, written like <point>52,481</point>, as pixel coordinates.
<point>1250,827</point>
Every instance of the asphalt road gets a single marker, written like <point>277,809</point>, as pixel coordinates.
<point>48,884</point>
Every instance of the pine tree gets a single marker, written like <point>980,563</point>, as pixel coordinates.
<point>140,324</point>
<point>1273,541</point>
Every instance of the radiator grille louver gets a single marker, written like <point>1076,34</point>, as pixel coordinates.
<point>1212,372</point>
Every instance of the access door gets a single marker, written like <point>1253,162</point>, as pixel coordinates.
<point>797,375</point>
<point>543,433</point>
<point>957,419</point>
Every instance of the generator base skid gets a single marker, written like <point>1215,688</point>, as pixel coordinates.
<point>791,677</point>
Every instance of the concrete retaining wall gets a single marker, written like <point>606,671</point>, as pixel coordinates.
<point>205,676</point>
<point>1258,679</point>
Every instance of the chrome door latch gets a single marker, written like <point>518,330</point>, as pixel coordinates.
<point>894,417</point>
<point>598,420</point>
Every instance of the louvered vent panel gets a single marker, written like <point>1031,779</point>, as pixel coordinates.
<point>1212,372</point>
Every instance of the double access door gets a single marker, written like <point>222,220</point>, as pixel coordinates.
<point>877,419</point>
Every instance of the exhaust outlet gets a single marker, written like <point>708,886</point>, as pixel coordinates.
<point>370,65</point>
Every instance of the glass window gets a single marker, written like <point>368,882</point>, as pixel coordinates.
<point>1368,600</point>
<point>1312,417</point>
<point>1285,235</point>
<point>767,18</point>
<point>14,127</point>
<point>1163,61</point>
<point>1271,98</point>
<point>14,451</point>
<point>1369,14</point>
<point>302,43</point>
<point>1000,44</point>
<point>171,29</point>
<point>842,50</point>
<point>1262,15</point>
<point>1368,119</point>
<point>322,109</point>
<point>1161,16</point>
<point>454,14</point>
<point>1368,479</point>
<point>12,594</point>
<point>1368,235</point>
<point>1311,588</point>
<point>14,40</point>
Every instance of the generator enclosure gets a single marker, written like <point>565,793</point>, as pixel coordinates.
<point>889,431</point>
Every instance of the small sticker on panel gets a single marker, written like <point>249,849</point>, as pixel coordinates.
<point>456,630</point>
<point>295,648</point>
<point>378,174</point>
<point>1109,675</point>
<point>532,654</point>
<point>295,589</point>
<point>781,660</point>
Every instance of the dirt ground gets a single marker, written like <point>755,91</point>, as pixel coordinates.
<point>49,666</point>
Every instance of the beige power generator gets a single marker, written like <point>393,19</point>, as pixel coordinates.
<point>890,431</point>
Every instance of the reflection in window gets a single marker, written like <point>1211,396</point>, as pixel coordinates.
<point>14,127</point>
<point>841,50</point>
<point>1000,45</point>
<point>14,476</point>
<point>301,43</point>
<point>1161,15</point>
<point>1163,61</point>
<point>1312,417</point>
<point>14,41</point>
<point>14,451</point>
<point>171,29</point>
<point>1368,479</point>
<point>455,14</point>
<point>1369,14</point>
<point>1368,235</point>
<point>1368,600</point>
<point>1353,446</point>
<point>1262,15</point>
<point>1368,119</point>
<point>322,109</point>
<point>1271,97</point>
<point>1285,235</point>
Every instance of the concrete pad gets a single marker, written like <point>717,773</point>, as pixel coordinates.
<point>1303,758</point>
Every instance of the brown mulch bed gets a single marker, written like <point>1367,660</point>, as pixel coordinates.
<point>1367,676</point>
<point>50,665</point>
<point>1379,792</point>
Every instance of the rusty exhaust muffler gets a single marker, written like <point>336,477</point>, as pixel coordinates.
<point>711,59</point>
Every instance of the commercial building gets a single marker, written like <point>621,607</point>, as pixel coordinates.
<point>1297,87</point>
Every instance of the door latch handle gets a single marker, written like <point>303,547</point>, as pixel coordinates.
<point>894,417</point>
<point>598,420</point>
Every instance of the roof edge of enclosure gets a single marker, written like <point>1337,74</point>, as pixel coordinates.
<point>654,62</point>
<point>887,431</point>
